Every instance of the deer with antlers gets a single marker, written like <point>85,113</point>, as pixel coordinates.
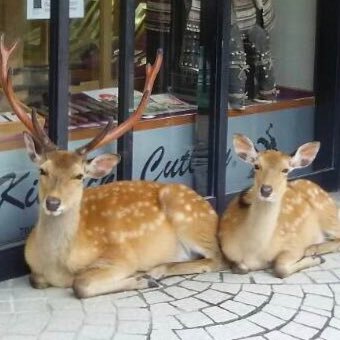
<point>278,223</point>
<point>114,237</point>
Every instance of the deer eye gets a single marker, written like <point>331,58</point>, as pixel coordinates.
<point>79,177</point>
<point>43,172</point>
<point>256,167</point>
<point>285,171</point>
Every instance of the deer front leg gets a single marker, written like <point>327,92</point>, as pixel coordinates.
<point>288,263</point>
<point>109,279</point>
<point>188,267</point>
<point>323,248</point>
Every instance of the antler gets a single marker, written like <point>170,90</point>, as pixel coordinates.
<point>104,137</point>
<point>32,125</point>
<point>107,135</point>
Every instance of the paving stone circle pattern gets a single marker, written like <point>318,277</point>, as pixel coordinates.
<point>221,306</point>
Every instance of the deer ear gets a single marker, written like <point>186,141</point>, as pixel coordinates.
<point>101,165</point>
<point>244,148</point>
<point>304,155</point>
<point>33,151</point>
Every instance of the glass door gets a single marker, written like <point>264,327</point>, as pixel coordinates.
<point>174,141</point>
<point>30,66</point>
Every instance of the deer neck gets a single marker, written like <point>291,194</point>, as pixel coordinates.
<point>58,232</point>
<point>262,221</point>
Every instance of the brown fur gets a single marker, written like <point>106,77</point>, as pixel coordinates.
<point>108,234</point>
<point>280,231</point>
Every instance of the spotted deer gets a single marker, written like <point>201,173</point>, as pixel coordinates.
<point>278,223</point>
<point>119,236</point>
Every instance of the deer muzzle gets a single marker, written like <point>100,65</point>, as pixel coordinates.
<point>266,191</point>
<point>53,203</point>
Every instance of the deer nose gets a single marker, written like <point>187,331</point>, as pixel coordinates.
<point>52,203</point>
<point>266,190</point>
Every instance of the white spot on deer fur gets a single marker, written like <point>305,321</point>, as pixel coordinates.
<point>178,216</point>
<point>287,209</point>
<point>188,207</point>
<point>86,212</point>
<point>166,190</point>
<point>93,207</point>
<point>311,192</point>
<point>159,220</point>
<point>119,214</point>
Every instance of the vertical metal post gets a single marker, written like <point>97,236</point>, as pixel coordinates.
<point>126,83</point>
<point>219,93</point>
<point>59,73</point>
<point>105,42</point>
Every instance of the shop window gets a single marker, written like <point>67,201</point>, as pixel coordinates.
<point>271,79</point>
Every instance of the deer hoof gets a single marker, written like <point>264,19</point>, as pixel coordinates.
<point>37,283</point>
<point>80,289</point>
<point>151,282</point>
<point>318,258</point>
<point>281,271</point>
<point>239,269</point>
<point>157,273</point>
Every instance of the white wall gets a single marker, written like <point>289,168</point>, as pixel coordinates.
<point>293,42</point>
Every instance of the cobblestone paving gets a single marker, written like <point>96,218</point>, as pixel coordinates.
<point>219,306</point>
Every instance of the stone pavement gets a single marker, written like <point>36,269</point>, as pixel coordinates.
<point>219,306</point>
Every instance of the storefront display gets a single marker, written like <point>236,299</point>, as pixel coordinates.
<point>251,63</point>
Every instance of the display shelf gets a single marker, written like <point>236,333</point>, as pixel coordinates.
<point>10,132</point>
<point>288,98</point>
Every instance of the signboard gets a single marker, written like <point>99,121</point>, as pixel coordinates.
<point>40,9</point>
